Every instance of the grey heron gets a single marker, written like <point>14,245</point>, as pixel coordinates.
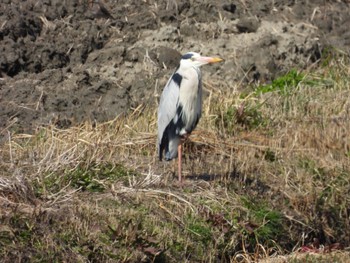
<point>180,106</point>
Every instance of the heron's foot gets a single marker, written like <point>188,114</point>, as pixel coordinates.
<point>177,184</point>
<point>183,184</point>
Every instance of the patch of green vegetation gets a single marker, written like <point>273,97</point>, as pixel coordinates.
<point>265,224</point>
<point>24,228</point>
<point>329,54</point>
<point>248,116</point>
<point>79,233</point>
<point>251,116</point>
<point>318,173</point>
<point>228,119</point>
<point>48,184</point>
<point>94,177</point>
<point>6,237</point>
<point>270,155</point>
<point>331,202</point>
<point>200,231</point>
<point>133,233</point>
<point>333,61</point>
<point>284,84</point>
<point>26,236</point>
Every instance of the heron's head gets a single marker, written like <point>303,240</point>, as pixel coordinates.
<point>192,59</point>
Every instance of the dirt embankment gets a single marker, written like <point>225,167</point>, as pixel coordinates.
<point>63,62</point>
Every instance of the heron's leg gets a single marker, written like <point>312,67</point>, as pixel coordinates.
<point>179,150</point>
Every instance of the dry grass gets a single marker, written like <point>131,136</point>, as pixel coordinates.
<point>267,174</point>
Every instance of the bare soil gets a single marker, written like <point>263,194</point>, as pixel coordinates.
<point>63,62</point>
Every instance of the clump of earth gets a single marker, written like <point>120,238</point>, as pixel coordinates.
<point>65,62</point>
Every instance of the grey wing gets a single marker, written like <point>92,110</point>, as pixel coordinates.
<point>167,106</point>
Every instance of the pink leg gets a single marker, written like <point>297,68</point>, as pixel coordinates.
<point>179,150</point>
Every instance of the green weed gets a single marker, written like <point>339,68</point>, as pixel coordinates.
<point>265,224</point>
<point>246,116</point>
<point>92,177</point>
<point>284,84</point>
<point>201,232</point>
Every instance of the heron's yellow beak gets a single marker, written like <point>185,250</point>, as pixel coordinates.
<point>210,60</point>
<point>215,60</point>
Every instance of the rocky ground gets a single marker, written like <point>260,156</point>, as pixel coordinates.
<point>64,62</point>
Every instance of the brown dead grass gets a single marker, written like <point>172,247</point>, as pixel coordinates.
<point>267,175</point>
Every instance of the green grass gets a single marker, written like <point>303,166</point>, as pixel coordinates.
<point>86,177</point>
<point>248,113</point>
<point>265,224</point>
<point>246,116</point>
<point>94,177</point>
<point>284,85</point>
